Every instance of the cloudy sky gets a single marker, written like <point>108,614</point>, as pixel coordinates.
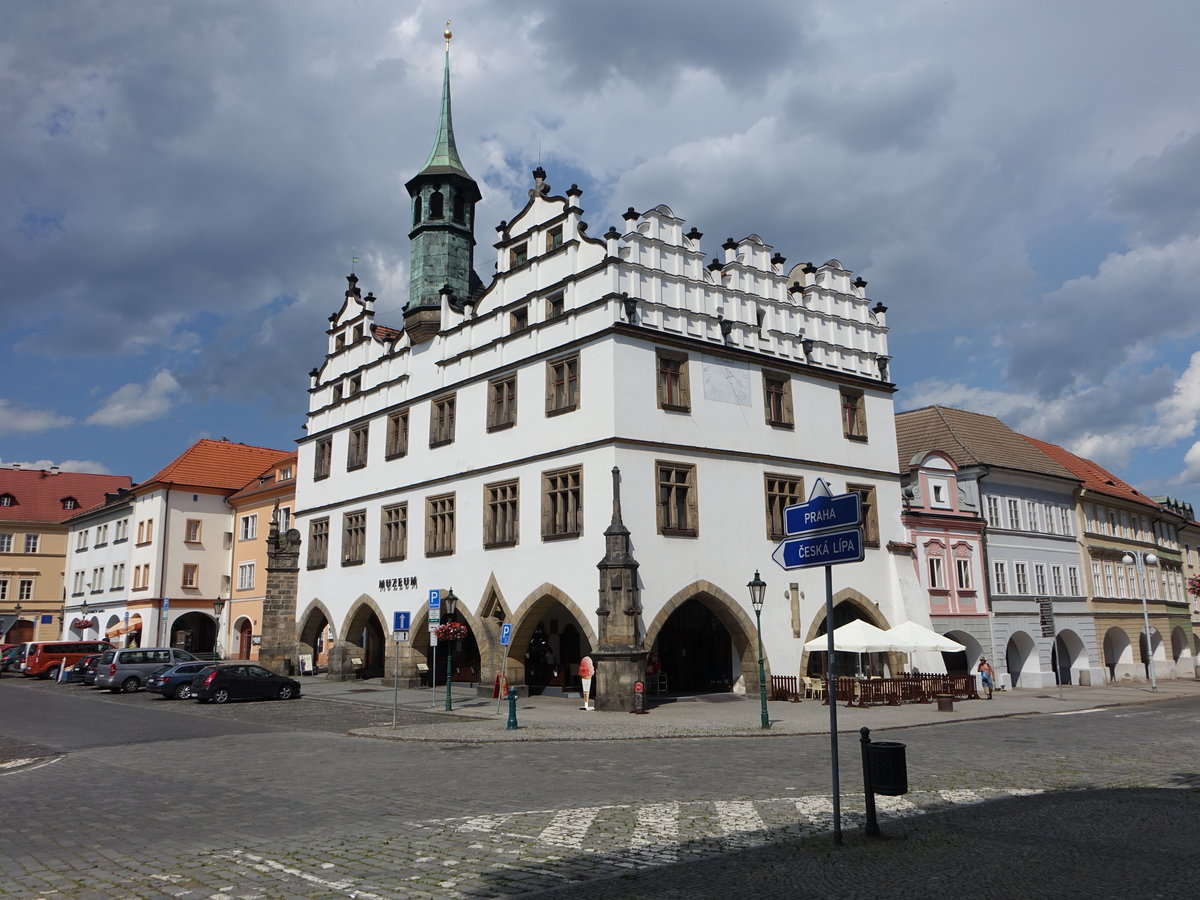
<point>184,185</point>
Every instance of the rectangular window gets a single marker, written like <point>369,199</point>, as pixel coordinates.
<point>674,389</point>
<point>1073,580</point>
<point>322,458</point>
<point>1110,583</point>
<point>25,589</point>
<point>441,421</point>
<point>782,491</point>
<point>519,255</point>
<point>439,525</point>
<point>500,514</point>
<point>518,319</point>
<point>77,588</point>
<point>1022,578</point>
<point>31,543</point>
<point>82,542</point>
<point>562,385</point>
<point>191,576</point>
<point>1114,528</point>
<point>854,415</point>
<point>397,434</point>
<point>554,305</point>
<point>1056,579</point>
<point>993,512</point>
<point>245,576</point>
<point>1050,520</point>
<point>118,577</point>
<point>101,535</point>
<point>1014,515</point>
<point>6,543</point>
<point>502,402</point>
<point>285,519</point>
<point>1121,581</point>
<point>1031,509</point>
<point>1000,576</point>
<point>191,531</point>
<point>554,238</point>
<point>777,400</point>
<point>393,532</point>
<point>318,543</point>
<point>97,584</point>
<point>356,451</point>
<point>1097,580</point>
<point>937,577</point>
<point>138,583</point>
<point>249,527</point>
<point>1039,578</point>
<point>284,474</point>
<point>962,572</point>
<point>354,538</point>
<point>870,515</point>
<point>562,503</point>
<point>677,499</point>
<point>3,588</point>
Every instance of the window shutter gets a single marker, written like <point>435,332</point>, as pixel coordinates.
<point>492,398</point>
<point>660,381</point>
<point>685,393</point>
<point>488,520</point>
<point>546,507</point>
<point>549,387</point>
<point>788,416</point>
<point>693,521</point>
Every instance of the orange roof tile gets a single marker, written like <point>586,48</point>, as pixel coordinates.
<point>265,480</point>
<point>1094,477</point>
<point>38,494</point>
<point>216,464</point>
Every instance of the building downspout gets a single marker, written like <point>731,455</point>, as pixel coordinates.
<point>162,572</point>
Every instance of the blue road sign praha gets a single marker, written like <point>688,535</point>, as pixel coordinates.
<point>435,599</point>
<point>401,620</point>
<point>823,512</point>
<point>826,549</point>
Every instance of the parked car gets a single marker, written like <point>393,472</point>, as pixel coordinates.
<point>175,682</point>
<point>44,659</point>
<point>8,658</point>
<point>89,671</point>
<point>75,673</point>
<point>242,681</point>
<point>127,670</point>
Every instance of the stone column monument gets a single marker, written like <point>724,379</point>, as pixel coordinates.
<point>621,656</point>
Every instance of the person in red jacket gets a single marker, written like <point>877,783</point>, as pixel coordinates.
<point>586,671</point>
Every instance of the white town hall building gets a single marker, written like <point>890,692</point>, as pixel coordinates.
<point>594,448</point>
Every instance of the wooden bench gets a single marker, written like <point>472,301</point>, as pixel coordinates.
<point>785,687</point>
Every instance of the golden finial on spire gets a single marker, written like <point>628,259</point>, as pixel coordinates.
<point>447,34</point>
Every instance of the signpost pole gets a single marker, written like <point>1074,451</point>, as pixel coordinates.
<point>396,681</point>
<point>433,676</point>
<point>831,693</point>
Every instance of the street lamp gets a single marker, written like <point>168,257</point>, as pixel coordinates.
<point>218,608</point>
<point>449,601</point>
<point>1143,560</point>
<point>758,593</point>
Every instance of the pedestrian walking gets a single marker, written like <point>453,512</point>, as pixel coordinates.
<point>586,671</point>
<point>985,675</point>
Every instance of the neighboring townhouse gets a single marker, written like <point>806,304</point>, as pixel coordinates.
<point>270,496</point>
<point>1042,629</point>
<point>181,532</point>
<point>945,534</point>
<point>1134,571</point>
<point>98,550</point>
<point>593,451</point>
<point>35,505</point>
<point>1189,544</point>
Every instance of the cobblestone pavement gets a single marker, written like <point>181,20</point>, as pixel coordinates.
<point>1098,803</point>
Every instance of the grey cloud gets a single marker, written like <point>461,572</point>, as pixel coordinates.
<point>1161,194</point>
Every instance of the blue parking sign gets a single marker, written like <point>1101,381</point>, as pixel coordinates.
<point>435,599</point>
<point>505,634</point>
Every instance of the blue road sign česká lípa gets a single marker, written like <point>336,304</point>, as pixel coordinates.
<point>825,549</point>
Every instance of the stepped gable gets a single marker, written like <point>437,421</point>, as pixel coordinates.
<point>38,494</point>
<point>217,464</point>
<point>1094,476</point>
<point>970,439</point>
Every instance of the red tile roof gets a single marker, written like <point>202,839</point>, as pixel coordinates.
<point>384,333</point>
<point>1094,476</point>
<point>216,464</point>
<point>38,494</point>
<point>265,480</point>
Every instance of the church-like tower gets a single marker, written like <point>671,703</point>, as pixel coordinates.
<point>443,227</point>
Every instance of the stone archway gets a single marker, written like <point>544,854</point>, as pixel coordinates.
<point>961,662</point>
<point>1020,654</point>
<point>534,658</point>
<point>315,634</point>
<point>729,615</point>
<point>848,605</point>
<point>418,664</point>
<point>1157,652</point>
<point>361,638</point>
<point>1069,658</point>
<point>1118,655</point>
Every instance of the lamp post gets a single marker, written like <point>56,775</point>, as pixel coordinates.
<point>218,608</point>
<point>1143,560</point>
<point>449,602</point>
<point>83,614</point>
<point>758,593</point>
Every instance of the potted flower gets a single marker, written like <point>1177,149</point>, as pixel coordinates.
<point>450,631</point>
<point>1193,585</point>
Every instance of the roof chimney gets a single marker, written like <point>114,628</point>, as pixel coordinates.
<point>54,470</point>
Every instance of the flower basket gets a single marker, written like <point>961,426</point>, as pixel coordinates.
<point>1193,586</point>
<point>451,631</point>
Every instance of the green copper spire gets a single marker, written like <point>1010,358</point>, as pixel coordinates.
<point>444,156</point>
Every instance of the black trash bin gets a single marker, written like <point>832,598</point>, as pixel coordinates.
<point>889,768</point>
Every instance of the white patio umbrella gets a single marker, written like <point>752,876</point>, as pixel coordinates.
<point>854,637</point>
<point>909,636</point>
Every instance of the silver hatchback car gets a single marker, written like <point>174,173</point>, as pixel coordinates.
<point>128,670</point>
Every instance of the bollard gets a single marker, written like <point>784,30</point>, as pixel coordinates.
<point>639,699</point>
<point>512,709</point>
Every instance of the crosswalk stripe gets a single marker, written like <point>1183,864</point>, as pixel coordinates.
<point>568,828</point>
<point>483,823</point>
<point>739,819</point>
<point>960,796</point>
<point>819,810</point>
<point>897,806</point>
<point>657,831</point>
